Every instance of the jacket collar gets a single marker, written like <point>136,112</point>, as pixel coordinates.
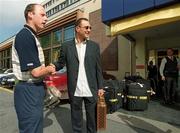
<point>31,29</point>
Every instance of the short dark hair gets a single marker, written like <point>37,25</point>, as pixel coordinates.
<point>78,21</point>
<point>29,8</point>
<point>171,49</point>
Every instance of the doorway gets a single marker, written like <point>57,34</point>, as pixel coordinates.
<point>156,55</point>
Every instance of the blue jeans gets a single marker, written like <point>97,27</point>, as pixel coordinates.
<point>28,101</point>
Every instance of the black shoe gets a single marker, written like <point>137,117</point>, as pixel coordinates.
<point>165,103</point>
<point>171,102</point>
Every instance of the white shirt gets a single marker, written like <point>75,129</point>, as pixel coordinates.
<point>82,88</point>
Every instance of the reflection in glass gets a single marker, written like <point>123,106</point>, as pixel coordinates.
<point>69,33</point>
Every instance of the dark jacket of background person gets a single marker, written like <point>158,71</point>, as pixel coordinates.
<point>152,70</point>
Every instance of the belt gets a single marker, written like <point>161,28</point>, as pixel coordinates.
<point>38,82</point>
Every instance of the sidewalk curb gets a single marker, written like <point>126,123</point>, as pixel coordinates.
<point>7,90</point>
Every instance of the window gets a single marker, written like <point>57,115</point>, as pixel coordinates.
<point>57,37</point>
<point>55,54</point>
<point>59,7</point>
<point>69,33</point>
<point>45,41</point>
<point>47,56</point>
<point>8,52</point>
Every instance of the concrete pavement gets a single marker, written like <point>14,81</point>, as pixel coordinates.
<point>157,119</point>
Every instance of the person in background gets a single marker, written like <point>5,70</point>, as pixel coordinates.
<point>152,75</point>
<point>169,74</point>
<point>107,76</point>
<point>29,68</point>
<point>85,81</point>
<point>152,70</point>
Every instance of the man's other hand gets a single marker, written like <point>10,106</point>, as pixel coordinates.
<point>100,92</point>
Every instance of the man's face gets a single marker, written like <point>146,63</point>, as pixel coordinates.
<point>39,18</point>
<point>170,52</point>
<point>84,29</point>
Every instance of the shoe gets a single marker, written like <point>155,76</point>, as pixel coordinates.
<point>171,102</point>
<point>167,102</point>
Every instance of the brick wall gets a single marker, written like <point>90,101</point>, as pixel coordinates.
<point>108,45</point>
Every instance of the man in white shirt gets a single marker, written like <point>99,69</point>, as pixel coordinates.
<point>169,74</point>
<point>85,81</point>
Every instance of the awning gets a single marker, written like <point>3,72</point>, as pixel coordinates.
<point>146,20</point>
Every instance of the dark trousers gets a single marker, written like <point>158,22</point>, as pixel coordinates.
<point>170,86</point>
<point>28,101</point>
<point>77,114</point>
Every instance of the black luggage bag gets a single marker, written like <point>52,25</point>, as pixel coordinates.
<point>113,95</point>
<point>147,85</point>
<point>136,97</point>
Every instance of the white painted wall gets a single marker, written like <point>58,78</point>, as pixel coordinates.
<point>165,42</point>
<point>124,58</point>
<point>140,55</point>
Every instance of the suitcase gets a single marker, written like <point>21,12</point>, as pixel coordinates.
<point>147,85</point>
<point>113,95</point>
<point>136,97</point>
<point>101,113</point>
<point>121,93</point>
<point>111,101</point>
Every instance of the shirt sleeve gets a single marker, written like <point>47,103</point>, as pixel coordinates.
<point>98,68</point>
<point>27,51</point>
<point>161,69</point>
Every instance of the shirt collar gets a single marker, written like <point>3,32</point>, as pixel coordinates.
<point>31,29</point>
<point>84,42</point>
<point>170,56</point>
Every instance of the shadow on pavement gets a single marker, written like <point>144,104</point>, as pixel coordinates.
<point>173,106</point>
<point>63,117</point>
<point>47,120</point>
<point>156,111</point>
<point>135,123</point>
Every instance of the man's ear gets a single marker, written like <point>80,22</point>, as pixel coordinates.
<point>30,15</point>
<point>77,28</point>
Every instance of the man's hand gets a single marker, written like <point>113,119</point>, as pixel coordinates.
<point>51,69</point>
<point>42,71</point>
<point>163,78</point>
<point>100,92</point>
<point>53,66</point>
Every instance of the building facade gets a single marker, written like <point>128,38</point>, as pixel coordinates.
<point>5,53</point>
<point>62,15</point>
<point>146,28</point>
<point>130,32</point>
